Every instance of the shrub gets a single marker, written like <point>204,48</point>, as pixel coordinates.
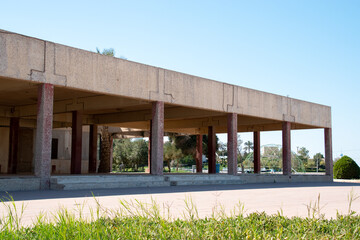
<point>346,168</point>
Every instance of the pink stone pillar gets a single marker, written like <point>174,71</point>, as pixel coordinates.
<point>149,150</point>
<point>232,143</point>
<point>13,145</point>
<point>328,152</point>
<point>199,140</point>
<point>211,150</point>
<point>76,142</point>
<point>44,134</point>
<point>157,138</point>
<point>257,166</point>
<point>286,148</point>
<point>93,148</point>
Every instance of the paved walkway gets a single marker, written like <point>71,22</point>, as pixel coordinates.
<point>292,199</point>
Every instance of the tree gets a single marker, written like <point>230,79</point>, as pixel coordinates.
<point>346,168</point>
<point>240,156</point>
<point>105,150</point>
<point>303,155</point>
<point>222,153</point>
<point>130,154</point>
<point>187,144</point>
<point>317,159</point>
<point>248,146</point>
<point>105,143</point>
<point>171,153</point>
<point>272,157</point>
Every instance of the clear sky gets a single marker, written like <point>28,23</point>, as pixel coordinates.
<point>306,49</point>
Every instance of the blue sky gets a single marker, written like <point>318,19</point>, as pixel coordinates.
<point>308,50</point>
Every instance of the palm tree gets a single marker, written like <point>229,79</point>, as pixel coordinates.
<point>106,137</point>
<point>248,146</point>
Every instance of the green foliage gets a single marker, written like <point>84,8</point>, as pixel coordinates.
<point>346,168</point>
<point>187,161</point>
<point>152,226</point>
<point>187,144</point>
<point>272,158</point>
<point>172,154</point>
<point>130,154</point>
<point>134,219</point>
<point>107,52</point>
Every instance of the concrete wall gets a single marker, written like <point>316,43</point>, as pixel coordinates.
<point>62,163</point>
<point>40,61</point>
<point>26,151</point>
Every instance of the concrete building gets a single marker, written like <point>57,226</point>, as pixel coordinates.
<point>46,86</point>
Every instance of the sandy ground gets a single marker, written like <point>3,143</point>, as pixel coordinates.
<point>290,199</point>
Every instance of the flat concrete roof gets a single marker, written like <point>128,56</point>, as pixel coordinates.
<point>117,92</point>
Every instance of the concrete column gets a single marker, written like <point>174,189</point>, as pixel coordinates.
<point>211,150</point>
<point>111,153</point>
<point>149,150</point>
<point>286,148</point>
<point>44,134</point>
<point>157,138</point>
<point>328,152</point>
<point>76,142</point>
<point>13,144</point>
<point>93,148</point>
<point>232,143</point>
<point>199,140</point>
<point>257,166</point>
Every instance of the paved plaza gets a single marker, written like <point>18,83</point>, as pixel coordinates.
<point>291,199</point>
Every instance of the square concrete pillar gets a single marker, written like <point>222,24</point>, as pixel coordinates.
<point>44,134</point>
<point>211,150</point>
<point>13,144</point>
<point>257,164</point>
<point>232,143</point>
<point>76,142</point>
<point>93,148</point>
<point>198,154</point>
<point>157,138</point>
<point>286,147</point>
<point>328,152</point>
<point>149,150</point>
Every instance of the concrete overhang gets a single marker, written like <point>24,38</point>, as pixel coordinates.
<point>118,92</point>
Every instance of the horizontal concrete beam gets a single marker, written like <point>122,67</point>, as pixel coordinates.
<point>39,61</point>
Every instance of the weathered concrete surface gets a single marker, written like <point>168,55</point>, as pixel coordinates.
<point>232,143</point>
<point>4,149</point>
<point>19,183</point>
<point>211,150</point>
<point>39,61</point>
<point>328,151</point>
<point>76,142</point>
<point>290,199</point>
<point>93,148</point>
<point>140,180</point>
<point>199,153</point>
<point>257,146</point>
<point>44,134</point>
<point>286,148</point>
<point>157,138</point>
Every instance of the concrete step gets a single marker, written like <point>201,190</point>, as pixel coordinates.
<point>203,179</point>
<point>106,178</point>
<point>19,183</point>
<point>108,181</point>
<point>205,182</point>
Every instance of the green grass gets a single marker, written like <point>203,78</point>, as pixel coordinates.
<point>254,226</point>
<point>137,220</point>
